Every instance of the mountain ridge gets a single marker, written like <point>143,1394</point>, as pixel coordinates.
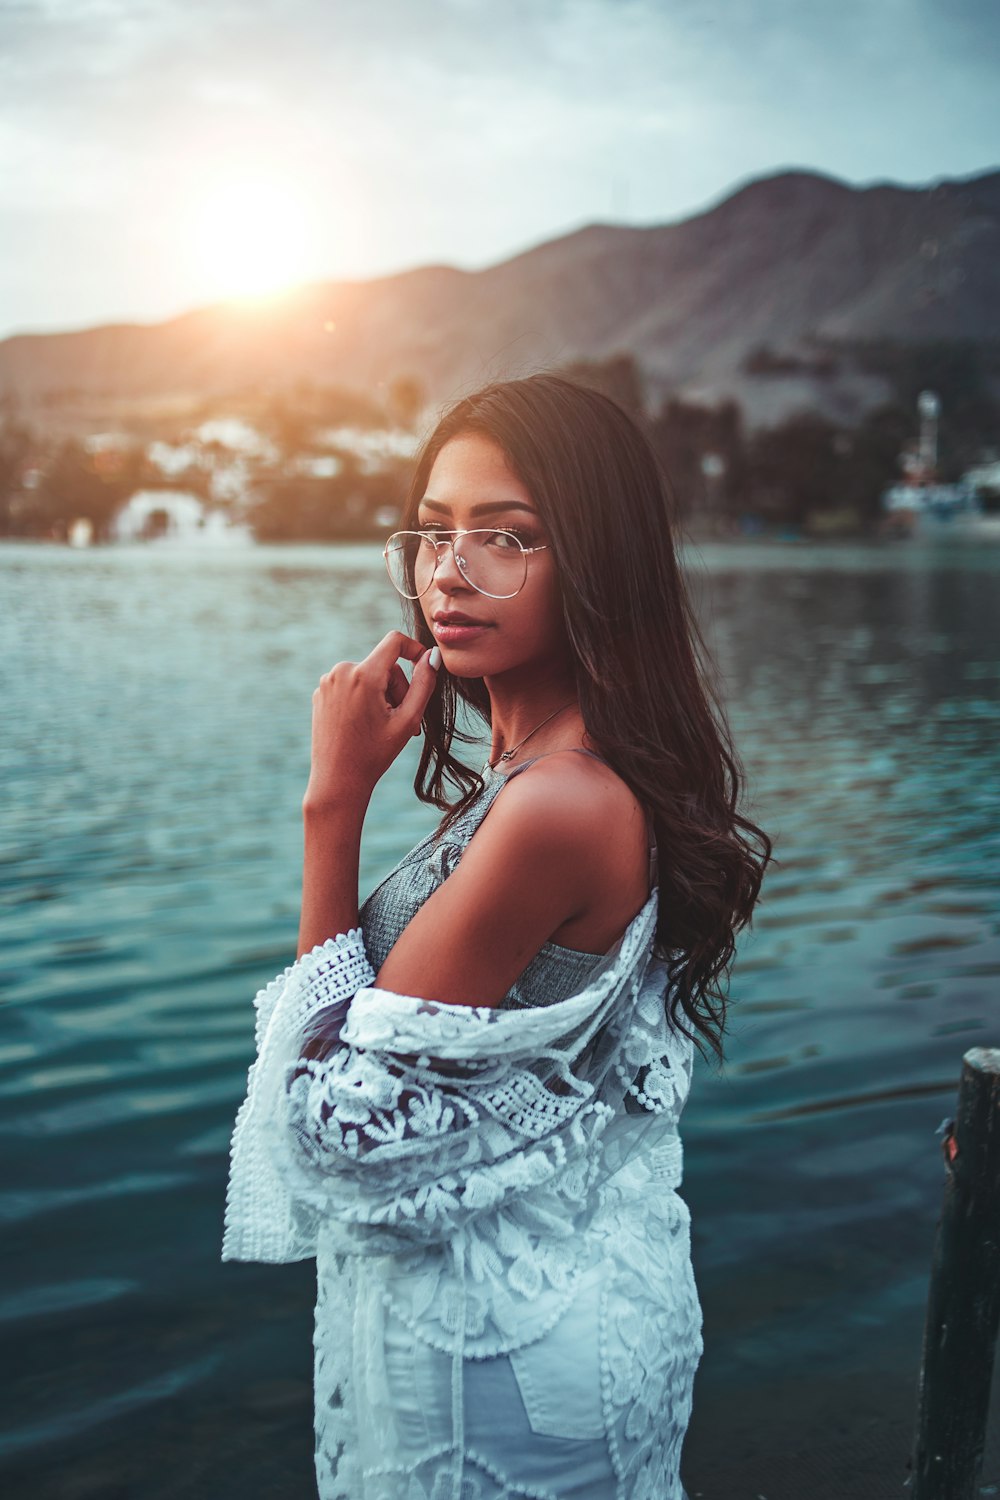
<point>791,262</point>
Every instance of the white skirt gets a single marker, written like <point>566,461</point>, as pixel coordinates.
<point>596,1409</point>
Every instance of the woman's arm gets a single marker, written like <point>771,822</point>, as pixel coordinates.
<point>331,855</point>
<point>551,847</point>
<point>363,714</point>
<point>528,869</point>
<point>392,1113</point>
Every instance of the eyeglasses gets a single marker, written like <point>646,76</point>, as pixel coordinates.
<point>494,563</point>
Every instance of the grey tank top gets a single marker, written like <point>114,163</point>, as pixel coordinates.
<point>555,973</point>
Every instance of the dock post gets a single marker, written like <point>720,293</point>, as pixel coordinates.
<point>963,1305</point>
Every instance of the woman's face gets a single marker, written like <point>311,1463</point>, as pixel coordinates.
<point>471,486</point>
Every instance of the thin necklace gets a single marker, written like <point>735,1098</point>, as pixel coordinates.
<point>509,754</point>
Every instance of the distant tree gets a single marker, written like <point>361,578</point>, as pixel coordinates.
<point>955,368</point>
<point>304,508</point>
<point>685,434</point>
<point>338,405</point>
<point>295,419</point>
<point>794,468</point>
<point>869,458</point>
<point>17,443</point>
<point>79,483</point>
<point>618,377</point>
<point>407,398</point>
<point>289,426</point>
<point>961,372</point>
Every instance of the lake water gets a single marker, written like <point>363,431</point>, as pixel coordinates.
<point>154,753</point>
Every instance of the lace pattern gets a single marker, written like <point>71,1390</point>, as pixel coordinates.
<point>263,1220</point>
<point>456,1170</point>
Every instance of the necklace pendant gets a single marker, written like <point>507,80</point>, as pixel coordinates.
<point>506,754</point>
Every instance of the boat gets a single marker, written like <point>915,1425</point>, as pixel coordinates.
<point>939,512</point>
<point>920,505</point>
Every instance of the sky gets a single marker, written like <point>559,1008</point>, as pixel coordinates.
<point>159,155</point>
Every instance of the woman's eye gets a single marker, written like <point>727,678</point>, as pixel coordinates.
<point>505,540</point>
<point>501,541</point>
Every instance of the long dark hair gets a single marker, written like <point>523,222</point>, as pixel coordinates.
<point>643,673</point>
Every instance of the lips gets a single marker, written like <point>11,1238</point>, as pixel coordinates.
<point>457,629</point>
<point>453,617</point>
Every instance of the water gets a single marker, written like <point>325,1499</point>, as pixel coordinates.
<point>154,754</point>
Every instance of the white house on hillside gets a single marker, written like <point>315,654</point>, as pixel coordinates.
<point>174,516</point>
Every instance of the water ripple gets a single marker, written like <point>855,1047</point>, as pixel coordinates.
<point>156,747</point>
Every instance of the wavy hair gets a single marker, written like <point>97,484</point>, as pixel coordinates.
<point>644,676</point>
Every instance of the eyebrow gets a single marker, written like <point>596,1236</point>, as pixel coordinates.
<point>488,507</point>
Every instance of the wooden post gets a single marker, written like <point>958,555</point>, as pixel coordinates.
<point>963,1306</point>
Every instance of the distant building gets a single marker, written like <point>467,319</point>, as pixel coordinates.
<point>80,532</point>
<point>318,466</point>
<point>175,516</point>
<point>373,448</point>
<point>236,435</point>
<point>984,478</point>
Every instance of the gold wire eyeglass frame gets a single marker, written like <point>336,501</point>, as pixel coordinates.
<point>448,539</point>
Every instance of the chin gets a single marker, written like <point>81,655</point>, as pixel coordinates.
<point>465,663</point>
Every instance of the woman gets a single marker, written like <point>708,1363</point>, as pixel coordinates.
<point>466,1094</point>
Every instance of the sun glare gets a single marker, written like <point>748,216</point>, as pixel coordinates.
<point>251,237</point>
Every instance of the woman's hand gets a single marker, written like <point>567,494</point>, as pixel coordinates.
<point>363,714</point>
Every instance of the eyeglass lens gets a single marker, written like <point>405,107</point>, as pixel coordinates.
<point>492,562</point>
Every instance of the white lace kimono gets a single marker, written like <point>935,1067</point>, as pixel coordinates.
<point>506,1305</point>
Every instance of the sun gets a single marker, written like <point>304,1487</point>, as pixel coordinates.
<point>251,236</point>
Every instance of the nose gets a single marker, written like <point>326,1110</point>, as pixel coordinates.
<point>447,574</point>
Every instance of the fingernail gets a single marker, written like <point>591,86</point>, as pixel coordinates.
<point>435,657</point>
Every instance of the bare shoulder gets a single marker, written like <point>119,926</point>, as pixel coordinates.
<point>574,791</point>
<point>559,856</point>
<point>582,808</point>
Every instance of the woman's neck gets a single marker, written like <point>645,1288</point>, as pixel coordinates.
<point>544,719</point>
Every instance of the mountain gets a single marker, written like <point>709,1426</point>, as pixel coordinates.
<point>763,296</point>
